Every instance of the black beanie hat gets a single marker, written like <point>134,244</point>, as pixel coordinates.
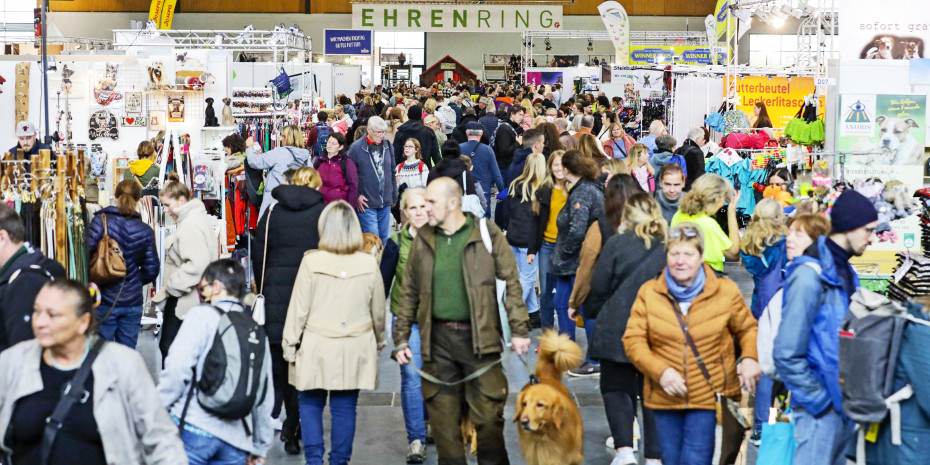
<point>415,113</point>
<point>851,211</point>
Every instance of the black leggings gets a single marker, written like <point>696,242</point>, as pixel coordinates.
<point>283,392</point>
<point>621,383</point>
<point>170,326</point>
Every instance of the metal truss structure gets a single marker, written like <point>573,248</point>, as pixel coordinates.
<point>283,45</point>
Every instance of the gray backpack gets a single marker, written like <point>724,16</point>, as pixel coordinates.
<point>232,381</point>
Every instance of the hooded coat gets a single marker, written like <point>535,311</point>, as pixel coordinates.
<point>19,285</point>
<point>291,233</point>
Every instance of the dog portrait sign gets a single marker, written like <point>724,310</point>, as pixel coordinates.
<point>133,102</point>
<point>891,126</point>
<point>176,109</point>
<point>102,125</point>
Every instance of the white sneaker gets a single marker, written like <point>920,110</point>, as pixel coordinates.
<point>610,443</point>
<point>279,422</point>
<point>416,452</point>
<point>626,456</point>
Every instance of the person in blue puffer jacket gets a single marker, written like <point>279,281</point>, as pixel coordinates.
<point>806,349</point>
<point>137,242</point>
<point>913,368</point>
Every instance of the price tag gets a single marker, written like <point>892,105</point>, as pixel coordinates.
<point>902,270</point>
<point>824,81</point>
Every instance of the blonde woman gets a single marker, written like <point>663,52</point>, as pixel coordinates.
<point>612,167</point>
<point>590,148</point>
<point>336,315</point>
<point>627,261</point>
<point>708,194</point>
<point>290,154</point>
<point>434,124</point>
<point>530,195</point>
<point>617,144</point>
<point>557,200</point>
<point>537,121</point>
<point>430,107</point>
<point>764,254</point>
<point>688,295</point>
<point>528,113</point>
<point>638,164</point>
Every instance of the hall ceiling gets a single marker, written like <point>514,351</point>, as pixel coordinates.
<point>579,7</point>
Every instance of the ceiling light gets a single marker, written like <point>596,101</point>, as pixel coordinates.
<point>778,18</point>
<point>793,12</point>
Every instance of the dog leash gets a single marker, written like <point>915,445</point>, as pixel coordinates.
<point>477,373</point>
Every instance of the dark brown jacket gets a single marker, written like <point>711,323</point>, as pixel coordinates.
<point>481,268</point>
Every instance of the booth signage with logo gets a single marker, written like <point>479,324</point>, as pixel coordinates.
<point>898,30</point>
<point>456,17</point>
<point>347,42</point>
<point>678,54</point>
<point>782,96</point>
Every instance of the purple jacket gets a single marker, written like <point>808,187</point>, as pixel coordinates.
<point>335,186</point>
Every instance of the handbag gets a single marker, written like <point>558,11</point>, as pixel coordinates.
<point>731,425</point>
<point>74,393</point>
<point>107,264</point>
<point>258,307</point>
<point>470,202</point>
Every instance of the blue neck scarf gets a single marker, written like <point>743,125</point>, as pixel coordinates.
<point>686,294</point>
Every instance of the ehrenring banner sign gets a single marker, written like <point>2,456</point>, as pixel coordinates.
<point>457,18</point>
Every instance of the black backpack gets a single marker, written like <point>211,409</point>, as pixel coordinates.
<point>232,381</point>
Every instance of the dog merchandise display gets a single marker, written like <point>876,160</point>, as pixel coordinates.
<point>209,113</point>
<point>228,119</point>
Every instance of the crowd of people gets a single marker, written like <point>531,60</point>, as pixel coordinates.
<point>591,228</point>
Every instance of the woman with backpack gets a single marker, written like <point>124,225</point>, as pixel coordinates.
<point>629,259</point>
<point>336,315</point>
<point>290,154</point>
<point>393,263</point>
<point>412,172</point>
<point>136,240</point>
<point>284,234</point>
<point>529,197</point>
<point>763,255</point>
<point>338,172</point>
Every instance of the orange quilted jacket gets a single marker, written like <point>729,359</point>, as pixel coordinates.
<point>717,319</point>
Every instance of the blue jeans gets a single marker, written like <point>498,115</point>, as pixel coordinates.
<point>686,436</point>
<point>202,450</point>
<point>411,393</point>
<point>763,404</point>
<point>546,285</point>
<point>376,221</point>
<point>563,290</point>
<point>342,406</point>
<point>527,278</point>
<point>821,441</point>
<point>122,326</point>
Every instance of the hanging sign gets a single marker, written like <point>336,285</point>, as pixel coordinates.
<point>176,109</point>
<point>722,12</point>
<point>133,121</point>
<point>782,96</point>
<point>347,42</point>
<point>618,26</point>
<point>167,14</point>
<point>457,17</point>
<point>133,102</point>
<point>102,125</point>
<point>678,54</point>
<point>889,124</point>
<point>898,31</point>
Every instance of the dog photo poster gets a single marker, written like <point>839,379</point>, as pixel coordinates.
<point>891,126</point>
<point>875,31</point>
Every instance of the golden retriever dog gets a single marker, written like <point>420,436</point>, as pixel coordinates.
<point>372,245</point>
<point>549,423</point>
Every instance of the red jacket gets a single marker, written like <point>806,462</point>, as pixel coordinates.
<point>335,186</point>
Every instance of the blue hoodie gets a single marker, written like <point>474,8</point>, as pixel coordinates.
<point>768,274</point>
<point>806,349</point>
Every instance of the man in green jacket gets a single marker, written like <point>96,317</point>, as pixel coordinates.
<point>449,292</point>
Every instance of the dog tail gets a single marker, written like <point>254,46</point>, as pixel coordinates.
<point>557,354</point>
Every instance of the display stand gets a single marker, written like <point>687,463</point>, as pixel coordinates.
<point>395,75</point>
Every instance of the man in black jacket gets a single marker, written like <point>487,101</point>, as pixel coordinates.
<point>415,129</point>
<point>694,157</point>
<point>23,272</point>
<point>509,137</point>
<point>468,116</point>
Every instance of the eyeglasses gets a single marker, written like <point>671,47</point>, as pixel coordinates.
<point>688,231</point>
<point>377,133</point>
<point>409,147</point>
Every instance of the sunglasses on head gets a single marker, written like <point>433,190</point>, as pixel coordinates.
<point>687,231</point>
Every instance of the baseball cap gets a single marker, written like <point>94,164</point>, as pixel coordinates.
<point>25,129</point>
<point>474,126</point>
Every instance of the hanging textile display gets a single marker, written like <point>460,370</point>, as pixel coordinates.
<point>22,92</point>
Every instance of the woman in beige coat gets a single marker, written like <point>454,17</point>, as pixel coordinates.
<point>336,316</point>
<point>188,251</point>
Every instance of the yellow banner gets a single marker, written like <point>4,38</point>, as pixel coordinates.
<point>167,14</point>
<point>782,96</point>
<point>155,10</point>
<point>722,11</point>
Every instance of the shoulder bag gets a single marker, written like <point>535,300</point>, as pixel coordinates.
<point>74,393</point>
<point>258,307</point>
<point>731,425</point>
<point>107,264</point>
<point>470,202</point>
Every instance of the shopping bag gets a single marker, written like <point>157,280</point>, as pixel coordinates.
<point>778,443</point>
